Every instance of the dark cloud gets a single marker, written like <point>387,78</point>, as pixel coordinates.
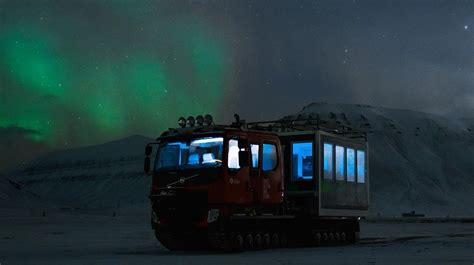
<point>274,57</point>
<point>17,145</point>
<point>414,55</point>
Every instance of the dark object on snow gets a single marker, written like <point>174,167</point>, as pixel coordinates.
<point>413,214</point>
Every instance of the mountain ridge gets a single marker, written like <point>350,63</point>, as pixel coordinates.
<point>418,161</point>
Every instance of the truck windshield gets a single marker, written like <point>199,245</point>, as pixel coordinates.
<point>201,152</point>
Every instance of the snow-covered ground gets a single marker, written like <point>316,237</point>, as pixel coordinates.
<point>418,161</point>
<point>16,198</point>
<point>86,237</point>
<point>89,205</point>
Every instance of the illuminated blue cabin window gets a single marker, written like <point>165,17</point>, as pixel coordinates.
<point>350,165</point>
<point>199,152</point>
<point>327,160</point>
<point>233,154</point>
<point>254,154</point>
<point>269,157</point>
<point>360,166</point>
<point>339,162</point>
<point>302,161</point>
<point>193,159</point>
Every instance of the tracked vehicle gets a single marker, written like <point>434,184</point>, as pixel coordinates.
<point>291,182</point>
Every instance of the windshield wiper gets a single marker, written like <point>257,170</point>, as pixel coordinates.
<point>181,180</point>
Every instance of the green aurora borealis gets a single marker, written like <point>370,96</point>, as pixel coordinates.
<point>83,72</point>
<point>74,83</point>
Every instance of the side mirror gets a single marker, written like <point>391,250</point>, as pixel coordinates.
<point>243,159</point>
<point>148,150</point>
<point>146,167</point>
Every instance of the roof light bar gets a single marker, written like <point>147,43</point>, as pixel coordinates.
<point>208,119</point>
<point>200,120</point>
<point>182,122</point>
<point>191,121</point>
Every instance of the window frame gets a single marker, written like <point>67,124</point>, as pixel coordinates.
<point>328,138</point>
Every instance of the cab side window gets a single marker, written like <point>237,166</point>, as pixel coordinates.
<point>233,155</point>
<point>254,148</point>
<point>269,157</point>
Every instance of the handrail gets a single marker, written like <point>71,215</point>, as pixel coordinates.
<point>302,124</point>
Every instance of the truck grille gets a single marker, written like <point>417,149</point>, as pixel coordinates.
<point>182,207</point>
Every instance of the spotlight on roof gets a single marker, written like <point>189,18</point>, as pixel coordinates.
<point>208,119</point>
<point>191,121</point>
<point>199,120</point>
<point>182,122</point>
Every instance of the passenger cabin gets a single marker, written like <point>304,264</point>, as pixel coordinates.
<point>326,169</point>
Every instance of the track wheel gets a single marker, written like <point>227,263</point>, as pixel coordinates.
<point>258,241</point>
<point>317,239</point>
<point>337,236</point>
<point>331,237</point>
<point>283,240</point>
<point>238,242</point>
<point>275,240</point>
<point>343,237</point>
<point>249,241</point>
<point>325,237</point>
<point>267,241</point>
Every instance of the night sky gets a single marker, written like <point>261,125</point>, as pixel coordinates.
<point>76,73</point>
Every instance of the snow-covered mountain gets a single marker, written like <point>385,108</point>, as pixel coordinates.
<point>16,200</point>
<point>418,161</point>
<point>9,192</point>
<point>469,122</point>
<point>106,175</point>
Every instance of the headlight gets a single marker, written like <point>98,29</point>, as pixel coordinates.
<point>182,122</point>
<point>208,119</point>
<point>191,121</point>
<point>199,120</point>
